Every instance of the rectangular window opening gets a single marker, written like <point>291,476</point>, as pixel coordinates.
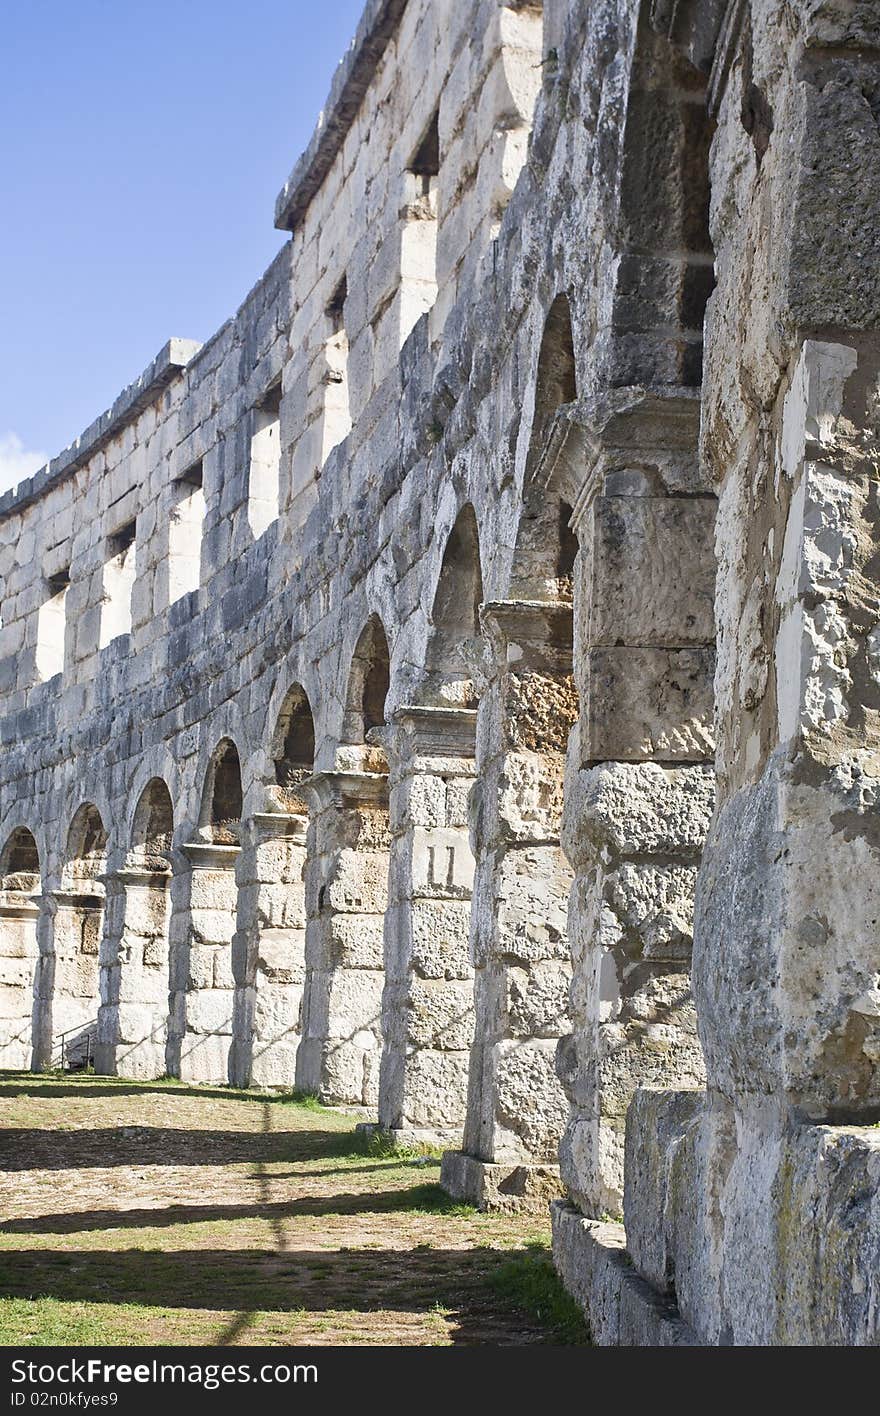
<point>337,409</point>
<point>118,583</point>
<point>52,626</point>
<point>185,533</point>
<point>426,158</point>
<point>264,479</point>
<point>336,306</point>
<point>418,248</point>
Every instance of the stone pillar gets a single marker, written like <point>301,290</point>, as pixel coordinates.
<point>755,1205</point>
<point>133,1017</point>
<point>68,980</point>
<point>19,913</point>
<point>268,950</point>
<point>202,984</point>
<point>427,1005</point>
<point>347,892</point>
<point>516,1107</point>
<point>640,782</point>
<point>44,982</point>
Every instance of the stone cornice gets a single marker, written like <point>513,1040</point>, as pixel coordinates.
<point>14,904</point>
<point>73,898</point>
<point>444,732</point>
<point>542,629</point>
<point>210,855</point>
<point>347,789</point>
<point>625,423</point>
<point>276,826</point>
<point>353,77</point>
<point>172,358</point>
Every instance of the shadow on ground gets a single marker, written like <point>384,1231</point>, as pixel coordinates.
<point>88,1084</point>
<point>87,1148</point>
<point>425,1198</point>
<point>255,1281</point>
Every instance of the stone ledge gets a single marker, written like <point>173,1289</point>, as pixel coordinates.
<point>168,363</point>
<point>514,1187</point>
<point>350,83</point>
<point>622,1309</point>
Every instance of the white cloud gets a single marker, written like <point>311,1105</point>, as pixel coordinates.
<point>17,461</point>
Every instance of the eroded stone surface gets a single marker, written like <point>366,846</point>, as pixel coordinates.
<point>513,542</point>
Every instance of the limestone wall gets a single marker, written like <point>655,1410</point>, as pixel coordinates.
<point>377,752</point>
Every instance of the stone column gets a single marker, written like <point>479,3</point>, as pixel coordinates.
<point>427,1005</point>
<point>44,981</point>
<point>68,979</point>
<point>19,913</point>
<point>133,1017</point>
<point>639,788</point>
<point>347,892</point>
<point>202,984</point>
<point>755,1204</point>
<point>268,950</point>
<point>516,1107</point>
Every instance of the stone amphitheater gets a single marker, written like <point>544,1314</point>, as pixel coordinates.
<point>454,689</point>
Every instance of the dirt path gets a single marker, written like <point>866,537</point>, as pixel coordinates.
<point>162,1214</point>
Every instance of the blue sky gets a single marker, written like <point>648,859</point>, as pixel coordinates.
<point>142,144</point>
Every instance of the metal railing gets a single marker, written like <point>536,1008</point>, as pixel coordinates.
<point>78,1055</point>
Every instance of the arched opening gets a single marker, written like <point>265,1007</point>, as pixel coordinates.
<point>20,861</point>
<point>427,1009</point>
<point>222,800</point>
<point>153,825</point>
<point>19,881</point>
<point>556,384</point>
<point>133,1018</point>
<point>368,683</point>
<point>557,370</point>
<point>293,747</point>
<point>86,856</point>
<point>78,927</point>
<point>269,944</point>
<point>455,617</point>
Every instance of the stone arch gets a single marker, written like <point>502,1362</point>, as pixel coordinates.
<point>85,856</point>
<point>68,983</point>
<point>293,747</point>
<point>546,546</point>
<point>152,827</point>
<point>455,616</point>
<point>369,681</point>
<point>20,860</point>
<point>133,1017</point>
<point>222,797</point>
<point>19,953</point>
<point>346,894</point>
<point>268,946</point>
<point>557,381</point>
<point>431,866</point>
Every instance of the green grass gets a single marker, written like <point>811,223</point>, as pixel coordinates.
<point>529,1281</point>
<point>382,1146</point>
<point>295,1224</point>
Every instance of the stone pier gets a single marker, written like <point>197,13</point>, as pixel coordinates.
<point>347,890</point>
<point>516,1109</point>
<point>427,1006</point>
